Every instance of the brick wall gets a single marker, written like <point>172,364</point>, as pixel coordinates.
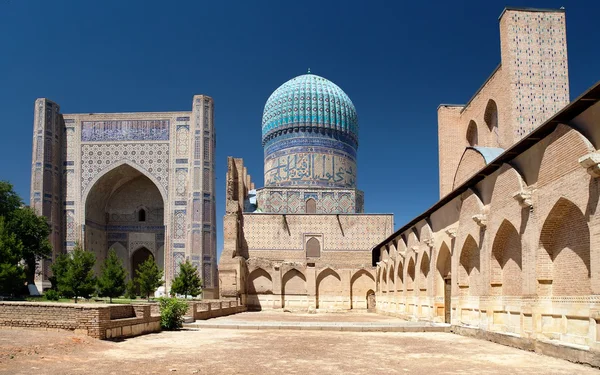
<point>98,321</point>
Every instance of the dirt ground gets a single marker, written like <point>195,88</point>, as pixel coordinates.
<point>225,351</point>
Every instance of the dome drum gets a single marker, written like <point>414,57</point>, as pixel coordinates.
<point>310,135</point>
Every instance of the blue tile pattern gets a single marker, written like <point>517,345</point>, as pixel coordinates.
<point>309,101</point>
<point>125,130</point>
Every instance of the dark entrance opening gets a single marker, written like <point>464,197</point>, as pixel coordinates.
<point>371,304</point>
<point>447,298</point>
<point>139,257</point>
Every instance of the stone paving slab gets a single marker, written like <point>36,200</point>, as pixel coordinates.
<point>324,326</point>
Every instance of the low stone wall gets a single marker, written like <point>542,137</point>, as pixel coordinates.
<point>214,309</point>
<point>100,321</point>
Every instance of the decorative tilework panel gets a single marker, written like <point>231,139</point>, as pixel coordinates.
<point>207,277</point>
<point>539,74</point>
<point>125,130</point>
<point>299,166</point>
<point>183,132</point>
<point>154,158</point>
<point>181,181</point>
<point>179,224</point>
<point>292,201</point>
<point>178,258</point>
<point>361,232</point>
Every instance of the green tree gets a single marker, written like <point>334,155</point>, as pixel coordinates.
<point>75,275</point>
<point>12,274</point>
<point>33,231</point>
<point>130,290</point>
<point>9,200</point>
<point>111,282</point>
<point>187,282</point>
<point>149,277</point>
<point>59,269</point>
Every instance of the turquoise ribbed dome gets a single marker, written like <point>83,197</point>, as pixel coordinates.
<point>309,103</point>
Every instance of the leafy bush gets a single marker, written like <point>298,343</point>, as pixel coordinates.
<point>130,290</point>
<point>52,295</point>
<point>172,311</point>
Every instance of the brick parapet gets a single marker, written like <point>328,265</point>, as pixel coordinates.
<point>95,320</point>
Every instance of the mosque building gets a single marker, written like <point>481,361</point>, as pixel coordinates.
<point>302,240</point>
<point>141,184</point>
<point>509,252</point>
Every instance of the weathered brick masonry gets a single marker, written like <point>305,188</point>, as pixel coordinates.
<point>98,321</point>
<point>511,251</point>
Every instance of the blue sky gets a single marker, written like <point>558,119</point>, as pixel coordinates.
<point>396,60</point>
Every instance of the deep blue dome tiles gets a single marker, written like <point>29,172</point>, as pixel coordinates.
<point>310,135</point>
<point>309,101</point>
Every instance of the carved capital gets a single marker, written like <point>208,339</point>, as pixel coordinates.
<point>415,249</point>
<point>591,162</point>
<point>451,232</point>
<point>480,219</point>
<point>429,242</point>
<point>524,198</point>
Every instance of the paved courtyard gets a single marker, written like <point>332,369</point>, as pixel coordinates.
<point>271,351</point>
<point>343,321</point>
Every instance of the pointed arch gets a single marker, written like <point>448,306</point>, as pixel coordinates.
<point>471,136</point>
<point>410,275</point>
<point>400,277</point>
<point>260,282</point>
<point>391,281</point>
<point>311,206</point>
<point>360,284</point>
<point>443,268</point>
<point>469,267</point>
<point>120,163</point>
<point>293,288</point>
<point>424,271</point>
<point>329,288</point>
<point>491,116</point>
<point>506,261</point>
<point>384,273</point>
<point>564,252</point>
<point>313,248</point>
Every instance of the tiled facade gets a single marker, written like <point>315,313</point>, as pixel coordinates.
<point>293,201</point>
<point>305,242</point>
<point>128,181</point>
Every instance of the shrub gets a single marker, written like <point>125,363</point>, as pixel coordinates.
<point>172,311</point>
<point>52,295</point>
<point>130,290</point>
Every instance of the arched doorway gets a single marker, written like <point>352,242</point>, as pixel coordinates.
<point>371,304</point>
<point>138,257</point>
<point>124,210</point>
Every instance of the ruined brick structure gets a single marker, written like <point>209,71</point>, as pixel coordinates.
<point>302,241</point>
<point>510,247</point>
<point>139,183</point>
